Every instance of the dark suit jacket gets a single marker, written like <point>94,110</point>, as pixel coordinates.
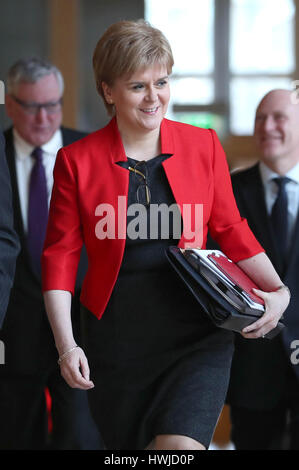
<point>9,243</point>
<point>259,366</point>
<point>26,331</point>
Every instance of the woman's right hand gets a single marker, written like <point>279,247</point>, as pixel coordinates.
<point>75,370</point>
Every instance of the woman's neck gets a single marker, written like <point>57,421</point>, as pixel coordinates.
<point>142,146</point>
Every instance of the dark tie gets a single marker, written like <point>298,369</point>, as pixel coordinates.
<point>279,215</point>
<point>37,210</point>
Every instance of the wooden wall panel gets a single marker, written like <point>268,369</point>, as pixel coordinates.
<point>63,31</point>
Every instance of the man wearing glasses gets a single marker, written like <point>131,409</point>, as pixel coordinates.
<point>34,104</point>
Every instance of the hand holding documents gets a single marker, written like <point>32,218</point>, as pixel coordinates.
<point>220,286</point>
<point>226,276</point>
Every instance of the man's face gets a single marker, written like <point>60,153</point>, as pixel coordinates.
<point>36,128</point>
<point>276,129</point>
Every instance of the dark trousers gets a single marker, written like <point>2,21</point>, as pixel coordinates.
<point>23,415</point>
<point>269,429</point>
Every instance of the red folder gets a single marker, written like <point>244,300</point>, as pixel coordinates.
<point>221,287</point>
<point>235,274</point>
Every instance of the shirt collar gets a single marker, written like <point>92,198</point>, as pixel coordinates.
<point>50,148</point>
<point>267,174</point>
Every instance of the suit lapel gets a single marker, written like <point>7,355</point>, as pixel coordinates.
<point>11,161</point>
<point>69,136</point>
<point>291,258</point>
<point>18,219</point>
<point>66,138</point>
<point>251,191</point>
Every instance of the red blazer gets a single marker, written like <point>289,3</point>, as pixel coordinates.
<point>86,175</point>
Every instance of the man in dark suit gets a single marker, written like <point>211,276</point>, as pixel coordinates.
<point>9,243</point>
<point>34,104</point>
<point>264,386</point>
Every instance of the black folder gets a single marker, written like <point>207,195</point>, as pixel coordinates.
<point>223,299</point>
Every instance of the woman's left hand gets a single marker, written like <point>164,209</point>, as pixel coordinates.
<point>275,304</point>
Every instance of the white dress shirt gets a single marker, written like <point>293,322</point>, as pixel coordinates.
<point>24,164</point>
<point>292,190</point>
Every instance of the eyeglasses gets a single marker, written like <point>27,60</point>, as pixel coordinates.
<point>143,194</point>
<point>51,107</point>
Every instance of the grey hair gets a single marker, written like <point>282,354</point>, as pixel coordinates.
<point>30,71</point>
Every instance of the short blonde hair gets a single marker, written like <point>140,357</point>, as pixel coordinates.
<point>124,48</point>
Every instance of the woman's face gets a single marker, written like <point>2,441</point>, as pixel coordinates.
<point>141,100</point>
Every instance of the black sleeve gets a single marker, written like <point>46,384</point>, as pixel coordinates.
<point>9,243</point>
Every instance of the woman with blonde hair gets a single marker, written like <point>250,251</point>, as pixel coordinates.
<point>159,367</point>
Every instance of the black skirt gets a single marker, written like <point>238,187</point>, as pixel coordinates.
<point>158,364</point>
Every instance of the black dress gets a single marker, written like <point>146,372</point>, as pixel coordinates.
<point>158,364</point>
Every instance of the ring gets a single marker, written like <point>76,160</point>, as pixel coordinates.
<point>263,336</point>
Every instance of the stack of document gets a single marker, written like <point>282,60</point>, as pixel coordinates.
<point>227,278</point>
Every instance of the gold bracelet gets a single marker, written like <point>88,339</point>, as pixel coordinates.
<point>283,286</point>
<point>63,356</point>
